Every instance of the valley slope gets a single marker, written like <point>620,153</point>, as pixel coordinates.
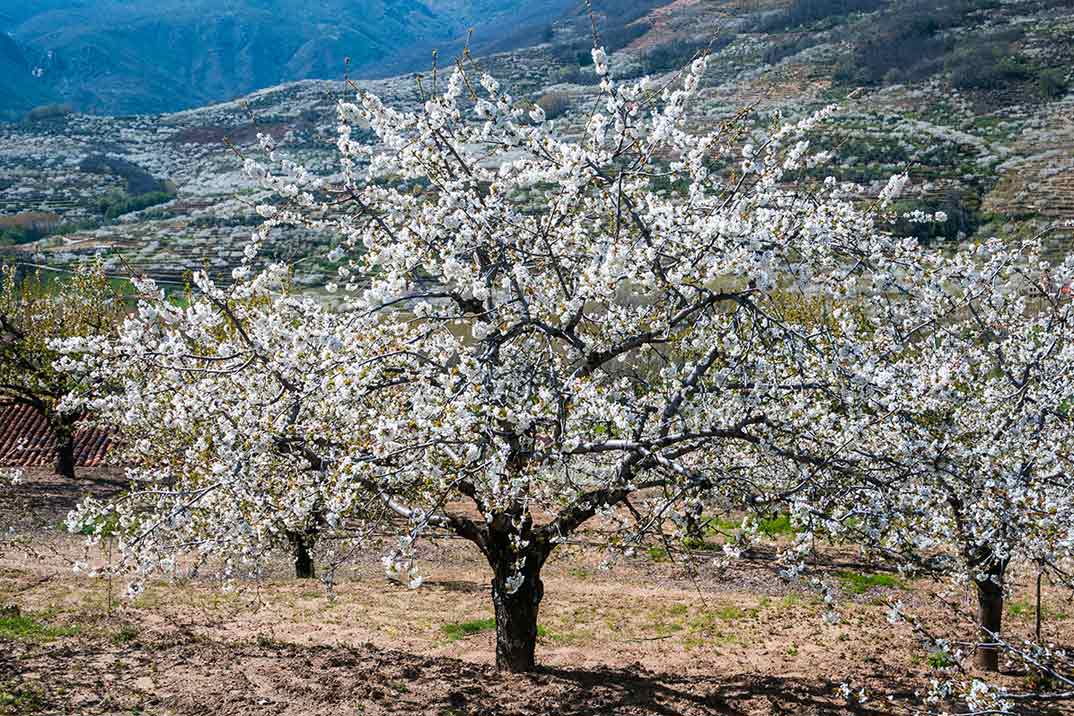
<point>981,115</point>
<point>127,57</point>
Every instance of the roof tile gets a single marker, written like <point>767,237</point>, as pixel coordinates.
<point>27,441</point>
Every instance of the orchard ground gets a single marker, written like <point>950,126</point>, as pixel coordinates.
<point>647,636</point>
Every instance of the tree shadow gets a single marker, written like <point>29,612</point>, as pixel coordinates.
<point>205,671</point>
<point>42,499</point>
<point>457,585</point>
<point>638,691</point>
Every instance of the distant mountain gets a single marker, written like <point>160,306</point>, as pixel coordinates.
<point>19,89</point>
<point>135,56</point>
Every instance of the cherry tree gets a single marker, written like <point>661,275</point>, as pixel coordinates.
<point>970,366</point>
<point>228,405</point>
<point>34,312</point>
<point>583,342</point>
<point>533,332</point>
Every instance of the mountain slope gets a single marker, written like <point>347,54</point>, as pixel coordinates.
<point>19,89</point>
<point>981,116</point>
<point>124,56</point>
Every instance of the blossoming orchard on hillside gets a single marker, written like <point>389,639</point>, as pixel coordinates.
<point>657,320</point>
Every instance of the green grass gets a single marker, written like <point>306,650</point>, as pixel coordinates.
<point>658,554</point>
<point>859,583</point>
<point>771,526</point>
<point>940,660</point>
<point>732,613</point>
<point>1021,608</point>
<point>17,699</point>
<point>126,634</point>
<point>776,526</point>
<point>20,627</point>
<point>723,523</point>
<point>461,630</point>
<point>700,545</point>
<point>791,600</point>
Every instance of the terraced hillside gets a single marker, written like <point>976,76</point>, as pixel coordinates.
<point>981,113</point>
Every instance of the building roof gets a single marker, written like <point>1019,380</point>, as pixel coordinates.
<point>27,441</point>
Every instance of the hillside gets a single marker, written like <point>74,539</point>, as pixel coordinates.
<point>972,96</point>
<point>18,85</point>
<point>124,57</point>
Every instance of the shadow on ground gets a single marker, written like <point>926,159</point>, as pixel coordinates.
<point>176,671</point>
<point>43,499</point>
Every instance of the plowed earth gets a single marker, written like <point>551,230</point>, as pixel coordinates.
<point>648,636</point>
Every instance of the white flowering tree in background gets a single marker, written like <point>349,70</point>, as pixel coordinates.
<point>230,405</point>
<point>967,476</point>
<point>34,311</point>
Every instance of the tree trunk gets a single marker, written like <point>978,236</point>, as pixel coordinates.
<point>64,465</point>
<point>301,545</point>
<point>516,614</point>
<point>989,618</point>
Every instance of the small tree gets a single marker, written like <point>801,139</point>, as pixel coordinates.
<point>548,330</point>
<point>971,379</point>
<point>33,312</point>
<point>227,405</point>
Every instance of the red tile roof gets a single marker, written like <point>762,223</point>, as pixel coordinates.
<point>27,441</point>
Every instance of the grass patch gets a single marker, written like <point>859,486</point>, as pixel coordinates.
<point>678,609</point>
<point>731,613</point>
<point>791,600</point>
<point>19,627</point>
<point>126,634</point>
<point>859,583</point>
<point>1024,607</point>
<point>461,630</point>
<point>716,524</point>
<point>940,660</point>
<point>1020,608</point>
<point>17,699</point>
<point>776,526</point>
<point>710,621</point>
<point>699,545</point>
<point>665,619</point>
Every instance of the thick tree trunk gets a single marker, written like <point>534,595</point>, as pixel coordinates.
<point>301,545</point>
<point>516,614</point>
<point>64,464</point>
<point>989,618</point>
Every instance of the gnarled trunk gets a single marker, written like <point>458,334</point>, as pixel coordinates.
<point>989,617</point>
<point>301,547</point>
<point>516,597</point>
<point>516,556</point>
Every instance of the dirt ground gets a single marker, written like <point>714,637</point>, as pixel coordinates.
<point>646,637</point>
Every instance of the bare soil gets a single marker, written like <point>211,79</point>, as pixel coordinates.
<point>646,637</point>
